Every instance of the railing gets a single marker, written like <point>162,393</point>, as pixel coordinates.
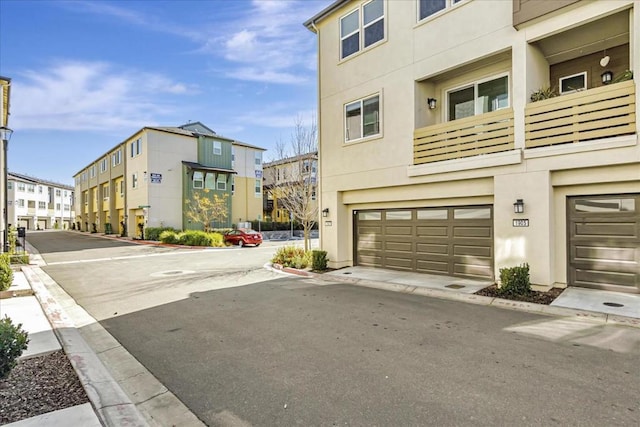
<point>602,112</point>
<point>471,136</point>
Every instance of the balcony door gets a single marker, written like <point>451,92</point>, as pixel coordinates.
<point>478,98</point>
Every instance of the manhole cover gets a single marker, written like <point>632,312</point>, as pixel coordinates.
<point>455,286</point>
<point>613,304</point>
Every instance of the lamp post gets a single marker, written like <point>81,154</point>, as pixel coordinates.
<point>5,135</point>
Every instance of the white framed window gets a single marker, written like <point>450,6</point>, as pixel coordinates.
<point>258,187</point>
<point>66,207</point>
<point>57,206</point>
<point>103,165</point>
<point>258,159</point>
<point>427,8</point>
<point>122,188</point>
<point>573,83</point>
<point>198,179</point>
<point>9,185</point>
<point>39,189</point>
<point>362,28</point>
<point>43,205</point>
<point>20,203</point>
<point>221,182</point>
<point>217,148</point>
<point>210,181</point>
<point>58,192</point>
<point>136,147</point>
<point>362,118</point>
<point>92,171</point>
<point>105,192</point>
<point>116,158</point>
<point>31,188</point>
<point>134,180</point>
<point>21,186</point>
<point>478,97</point>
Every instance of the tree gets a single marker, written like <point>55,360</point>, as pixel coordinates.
<point>292,179</point>
<point>206,210</point>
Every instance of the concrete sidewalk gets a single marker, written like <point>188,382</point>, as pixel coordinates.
<point>50,330</point>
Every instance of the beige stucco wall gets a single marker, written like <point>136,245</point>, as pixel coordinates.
<point>417,61</point>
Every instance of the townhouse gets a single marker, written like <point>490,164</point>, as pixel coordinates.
<point>458,137</point>
<point>148,179</point>
<point>38,204</point>
<point>299,171</point>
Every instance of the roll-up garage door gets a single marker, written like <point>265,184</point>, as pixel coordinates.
<point>456,241</point>
<point>604,242</point>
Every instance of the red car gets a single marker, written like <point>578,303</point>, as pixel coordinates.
<point>242,237</point>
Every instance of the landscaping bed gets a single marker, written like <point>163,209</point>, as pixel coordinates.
<point>532,296</point>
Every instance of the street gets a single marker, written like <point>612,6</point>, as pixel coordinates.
<point>240,345</point>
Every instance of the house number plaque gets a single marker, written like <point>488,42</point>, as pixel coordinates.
<point>520,222</point>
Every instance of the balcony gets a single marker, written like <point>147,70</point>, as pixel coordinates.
<point>472,136</point>
<point>603,112</point>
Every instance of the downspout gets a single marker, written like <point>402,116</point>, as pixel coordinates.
<point>319,171</point>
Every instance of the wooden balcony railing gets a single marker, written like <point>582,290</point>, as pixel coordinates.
<point>603,112</point>
<point>471,136</point>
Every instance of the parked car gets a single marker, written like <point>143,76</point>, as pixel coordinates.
<point>243,236</point>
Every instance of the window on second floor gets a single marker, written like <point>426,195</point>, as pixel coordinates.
<point>39,189</point>
<point>258,187</point>
<point>21,186</point>
<point>258,159</point>
<point>217,148</point>
<point>42,205</point>
<point>221,182</point>
<point>31,188</point>
<point>362,118</point>
<point>31,204</point>
<point>58,192</point>
<point>136,147</point>
<point>478,98</point>
<point>198,179</point>
<point>134,180</point>
<point>57,206</point>
<point>103,165</point>
<point>427,8</point>
<point>371,26</point>
<point>66,207</point>
<point>105,192</point>
<point>121,188</point>
<point>116,158</point>
<point>20,203</point>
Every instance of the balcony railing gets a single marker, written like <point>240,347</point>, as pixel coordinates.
<point>482,134</point>
<point>603,112</point>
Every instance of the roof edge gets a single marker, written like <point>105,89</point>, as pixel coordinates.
<point>310,23</point>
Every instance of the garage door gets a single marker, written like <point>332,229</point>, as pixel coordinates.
<point>604,242</point>
<point>450,241</point>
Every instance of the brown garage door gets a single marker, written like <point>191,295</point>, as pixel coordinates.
<point>604,242</point>
<point>451,241</point>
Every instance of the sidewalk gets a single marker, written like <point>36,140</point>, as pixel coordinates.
<point>50,330</point>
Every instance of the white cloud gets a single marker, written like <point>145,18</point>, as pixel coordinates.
<point>90,96</point>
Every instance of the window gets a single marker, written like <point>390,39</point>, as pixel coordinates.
<point>21,186</point>
<point>66,207</point>
<point>258,187</point>
<point>20,203</point>
<point>233,186</point>
<point>398,215</point>
<point>136,147</point>
<point>472,213</point>
<point>372,26</point>
<point>233,156</point>
<point>369,216</point>
<point>427,8</point>
<point>116,158</point>
<point>105,192</point>
<point>31,188</point>
<point>258,158</point>
<point>39,189</point>
<point>221,182</point>
<point>573,83</point>
<point>57,206</point>
<point>58,192</point>
<point>313,193</point>
<point>306,166</point>
<point>122,188</point>
<point>478,98</point>
<point>103,165</point>
<point>198,179</point>
<point>362,118</point>
<point>43,205</point>
<point>134,180</point>
<point>65,193</point>
<point>31,204</point>
<point>10,185</point>
<point>210,181</point>
<point>217,148</point>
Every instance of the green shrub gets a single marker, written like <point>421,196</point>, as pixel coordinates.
<point>6,273</point>
<point>153,233</point>
<point>515,280</point>
<point>292,256</point>
<point>319,260</point>
<point>20,258</point>
<point>195,238</point>
<point>217,240</point>
<point>13,341</point>
<point>168,236</point>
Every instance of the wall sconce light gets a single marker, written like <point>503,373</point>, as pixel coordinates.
<point>431,102</point>
<point>606,77</point>
<point>518,206</point>
<point>325,212</point>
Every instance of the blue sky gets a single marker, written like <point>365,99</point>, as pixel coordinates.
<point>87,74</point>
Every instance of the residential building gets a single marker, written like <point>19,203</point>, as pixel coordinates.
<point>434,158</point>
<point>148,180</point>
<point>38,204</point>
<point>246,187</point>
<point>283,173</point>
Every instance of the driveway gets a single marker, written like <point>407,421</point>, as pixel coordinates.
<point>239,345</point>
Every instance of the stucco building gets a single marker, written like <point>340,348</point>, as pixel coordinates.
<point>435,158</point>
<point>148,179</point>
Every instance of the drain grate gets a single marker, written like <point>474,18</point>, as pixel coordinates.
<point>454,286</point>
<point>613,304</point>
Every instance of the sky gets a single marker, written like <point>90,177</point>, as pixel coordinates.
<point>86,75</point>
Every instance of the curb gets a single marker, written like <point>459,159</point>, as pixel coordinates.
<point>605,318</point>
<point>111,404</point>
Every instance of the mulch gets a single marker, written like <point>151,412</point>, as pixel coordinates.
<point>39,385</point>
<point>533,296</point>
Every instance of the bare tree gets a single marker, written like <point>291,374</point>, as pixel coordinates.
<point>292,178</point>
<point>206,210</point>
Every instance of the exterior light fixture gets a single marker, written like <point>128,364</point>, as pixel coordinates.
<point>432,103</point>
<point>325,212</point>
<point>606,77</point>
<point>5,136</point>
<point>518,206</point>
